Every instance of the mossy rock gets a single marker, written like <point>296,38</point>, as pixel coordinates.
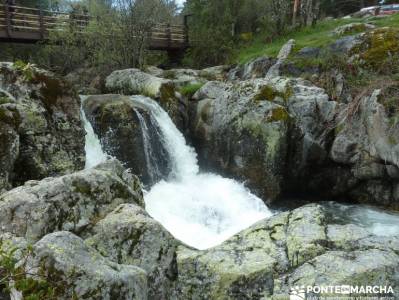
<point>167,93</point>
<point>378,46</point>
<point>269,93</point>
<point>10,117</point>
<point>4,98</point>
<point>278,114</point>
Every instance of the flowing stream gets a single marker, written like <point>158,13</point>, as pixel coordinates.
<point>203,209</point>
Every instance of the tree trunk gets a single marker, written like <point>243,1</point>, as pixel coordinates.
<point>295,13</point>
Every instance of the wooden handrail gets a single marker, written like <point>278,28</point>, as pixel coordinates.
<point>34,24</point>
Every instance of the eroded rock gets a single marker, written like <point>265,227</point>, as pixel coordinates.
<point>72,202</point>
<point>130,236</point>
<point>40,127</point>
<point>82,272</point>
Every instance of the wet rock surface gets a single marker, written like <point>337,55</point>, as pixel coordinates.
<point>119,124</point>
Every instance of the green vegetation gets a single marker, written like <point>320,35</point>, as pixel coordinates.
<point>319,35</point>
<point>26,69</point>
<point>190,89</point>
<point>278,114</point>
<point>4,99</point>
<point>379,46</point>
<point>14,273</point>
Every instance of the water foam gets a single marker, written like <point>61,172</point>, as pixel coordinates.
<point>201,210</point>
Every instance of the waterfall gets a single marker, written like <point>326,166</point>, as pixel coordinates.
<point>201,210</point>
<point>94,152</point>
<point>150,158</point>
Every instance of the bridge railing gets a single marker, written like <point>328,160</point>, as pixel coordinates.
<point>34,24</point>
<point>26,19</point>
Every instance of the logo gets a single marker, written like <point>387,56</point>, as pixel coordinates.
<point>298,293</point>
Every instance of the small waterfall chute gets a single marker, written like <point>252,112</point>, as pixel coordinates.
<point>94,152</point>
<point>202,210</point>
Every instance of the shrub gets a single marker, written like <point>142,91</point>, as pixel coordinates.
<point>14,274</point>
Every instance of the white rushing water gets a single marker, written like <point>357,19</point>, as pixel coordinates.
<point>201,210</point>
<point>377,221</point>
<point>94,153</point>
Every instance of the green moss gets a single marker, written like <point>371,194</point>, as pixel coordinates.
<point>266,93</point>
<point>190,89</point>
<point>4,100</point>
<point>278,114</point>
<point>269,93</point>
<point>379,46</point>
<point>167,93</point>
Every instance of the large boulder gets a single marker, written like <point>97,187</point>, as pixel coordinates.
<point>367,143</point>
<point>238,129</point>
<point>130,236</point>
<point>73,202</point>
<point>264,130</point>
<point>128,132</point>
<point>302,247</point>
<point>41,132</point>
<point>137,82</point>
<point>81,273</point>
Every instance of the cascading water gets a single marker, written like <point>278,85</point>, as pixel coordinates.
<point>94,153</point>
<point>202,210</point>
<point>153,163</point>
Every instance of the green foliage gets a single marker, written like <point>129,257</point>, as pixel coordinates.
<point>26,69</point>
<point>190,89</point>
<point>4,99</point>
<point>14,273</point>
<point>217,27</point>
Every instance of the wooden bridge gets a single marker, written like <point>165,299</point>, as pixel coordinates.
<point>31,25</point>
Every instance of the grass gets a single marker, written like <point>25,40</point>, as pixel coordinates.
<point>318,36</point>
<point>190,89</point>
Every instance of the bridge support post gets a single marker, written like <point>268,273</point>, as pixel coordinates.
<point>41,23</point>
<point>8,19</point>
<point>186,39</point>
